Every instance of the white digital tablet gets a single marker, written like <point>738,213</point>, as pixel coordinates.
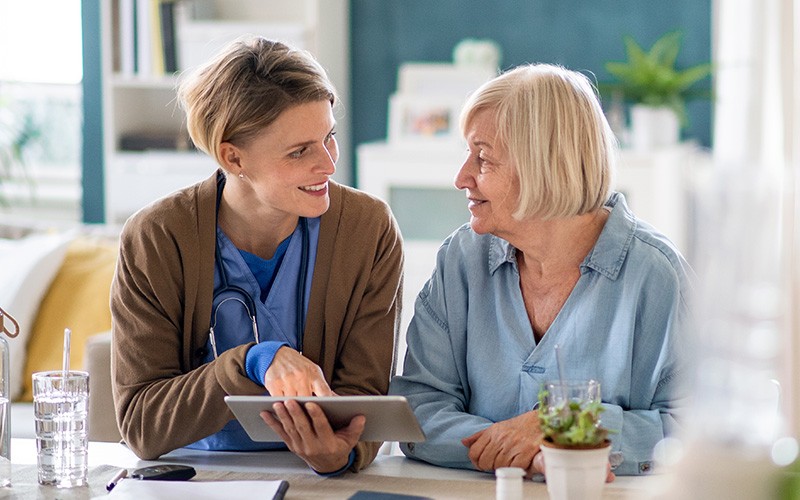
<point>389,418</point>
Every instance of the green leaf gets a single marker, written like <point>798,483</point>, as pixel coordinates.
<point>636,55</point>
<point>665,50</point>
<point>690,76</point>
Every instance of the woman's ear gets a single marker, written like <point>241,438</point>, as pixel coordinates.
<point>230,158</point>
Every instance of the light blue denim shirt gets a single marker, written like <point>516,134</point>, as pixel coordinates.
<point>472,359</point>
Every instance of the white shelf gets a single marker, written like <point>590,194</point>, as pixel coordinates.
<point>144,82</point>
<point>137,179</point>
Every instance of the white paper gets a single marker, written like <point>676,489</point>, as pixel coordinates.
<point>136,489</point>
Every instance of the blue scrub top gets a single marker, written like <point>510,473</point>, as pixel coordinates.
<point>276,316</point>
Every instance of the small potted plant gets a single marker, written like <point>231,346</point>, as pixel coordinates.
<point>657,90</point>
<point>575,445</point>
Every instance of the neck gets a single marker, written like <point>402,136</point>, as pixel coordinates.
<point>552,247</point>
<point>252,226</point>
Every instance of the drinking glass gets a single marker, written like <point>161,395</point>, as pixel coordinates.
<point>60,404</point>
<point>560,393</point>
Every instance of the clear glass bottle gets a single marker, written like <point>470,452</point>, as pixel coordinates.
<point>5,406</point>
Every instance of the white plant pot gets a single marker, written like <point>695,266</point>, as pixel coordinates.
<point>573,474</point>
<point>653,127</point>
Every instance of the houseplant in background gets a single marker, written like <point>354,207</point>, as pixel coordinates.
<point>657,90</point>
<point>17,133</point>
<point>575,445</point>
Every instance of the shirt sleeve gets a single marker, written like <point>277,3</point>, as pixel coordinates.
<point>434,383</point>
<point>636,431</point>
<point>259,358</point>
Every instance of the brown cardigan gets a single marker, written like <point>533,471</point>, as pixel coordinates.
<point>161,301</point>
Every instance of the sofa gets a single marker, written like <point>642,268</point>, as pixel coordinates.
<point>52,279</point>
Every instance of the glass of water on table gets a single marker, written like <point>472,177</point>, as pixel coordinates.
<point>60,404</point>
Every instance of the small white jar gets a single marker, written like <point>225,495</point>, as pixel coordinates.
<point>509,483</point>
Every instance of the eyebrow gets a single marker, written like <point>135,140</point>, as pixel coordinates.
<point>308,143</point>
<point>482,144</point>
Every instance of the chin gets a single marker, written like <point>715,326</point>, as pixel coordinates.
<point>316,211</point>
<point>477,227</point>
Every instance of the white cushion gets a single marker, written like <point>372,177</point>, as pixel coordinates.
<point>27,267</point>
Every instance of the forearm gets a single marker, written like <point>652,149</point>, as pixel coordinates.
<point>158,415</point>
<point>443,419</point>
<point>444,430</point>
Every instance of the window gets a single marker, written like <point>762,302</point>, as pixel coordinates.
<point>40,106</point>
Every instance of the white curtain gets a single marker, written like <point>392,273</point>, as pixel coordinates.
<point>757,142</point>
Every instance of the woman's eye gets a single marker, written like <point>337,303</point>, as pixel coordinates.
<point>298,153</point>
<point>330,136</point>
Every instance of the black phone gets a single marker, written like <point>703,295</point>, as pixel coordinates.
<point>165,472</point>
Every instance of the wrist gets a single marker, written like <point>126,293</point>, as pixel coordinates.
<point>341,470</point>
<point>259,358</point>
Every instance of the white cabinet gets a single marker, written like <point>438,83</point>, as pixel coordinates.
<point>137,103</point>
<point>658,187</point>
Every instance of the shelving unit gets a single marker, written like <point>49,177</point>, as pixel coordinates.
<point>146,103</point>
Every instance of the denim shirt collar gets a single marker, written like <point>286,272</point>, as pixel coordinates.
<point>608,253</point>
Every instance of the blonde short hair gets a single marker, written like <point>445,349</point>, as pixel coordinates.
<point>550,122</point>
<point>244,88</point>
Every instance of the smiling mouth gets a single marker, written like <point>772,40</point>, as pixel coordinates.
<point>315,187</point>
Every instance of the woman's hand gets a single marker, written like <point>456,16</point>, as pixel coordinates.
<point>538,466</point>
<point>308,434</point>
<point>292,374</point>
<point>510,443</point>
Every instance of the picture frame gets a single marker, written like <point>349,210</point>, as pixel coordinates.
<point>424,119</point>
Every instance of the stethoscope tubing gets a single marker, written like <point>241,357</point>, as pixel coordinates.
<point>245,298</point>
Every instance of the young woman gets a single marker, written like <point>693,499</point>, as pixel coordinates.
<point>268,277</point>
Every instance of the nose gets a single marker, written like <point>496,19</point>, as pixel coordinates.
<point>464,178</point>
<point>329,157</point>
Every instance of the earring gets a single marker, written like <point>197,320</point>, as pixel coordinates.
<point>241,175</point>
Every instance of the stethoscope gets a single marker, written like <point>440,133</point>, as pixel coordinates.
<point>245,298</point>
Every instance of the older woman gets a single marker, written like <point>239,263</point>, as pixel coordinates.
<point>266,277</point>
<point>550,257</point>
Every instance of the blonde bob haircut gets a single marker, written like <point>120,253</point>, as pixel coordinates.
<point>244,88</point>
<point>549,122</point>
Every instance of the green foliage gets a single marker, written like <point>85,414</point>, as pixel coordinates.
<point>570,424</point>
<point>650,77</point>
<point>17,133</point>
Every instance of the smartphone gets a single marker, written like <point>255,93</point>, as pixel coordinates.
<point>166,472</point>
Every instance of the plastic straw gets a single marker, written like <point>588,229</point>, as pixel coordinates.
<point>559,365</point>
<point>65,363</point>
<point>561,379</point>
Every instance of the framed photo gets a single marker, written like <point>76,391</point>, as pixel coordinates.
<point>423,119</point>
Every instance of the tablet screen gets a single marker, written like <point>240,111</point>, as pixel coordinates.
<point>389,418</point>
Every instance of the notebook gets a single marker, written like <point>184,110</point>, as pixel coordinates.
<point>134,489</point>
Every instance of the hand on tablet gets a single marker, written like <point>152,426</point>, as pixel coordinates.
<point>292,374</point>
<point>308,434</point>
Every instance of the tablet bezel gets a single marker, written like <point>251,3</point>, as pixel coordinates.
<point>389,418</point>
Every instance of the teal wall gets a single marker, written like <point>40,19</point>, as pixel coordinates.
<point>579,34</point>
<point>92,183</point>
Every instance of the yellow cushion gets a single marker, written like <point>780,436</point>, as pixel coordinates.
<point>77,299</point>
